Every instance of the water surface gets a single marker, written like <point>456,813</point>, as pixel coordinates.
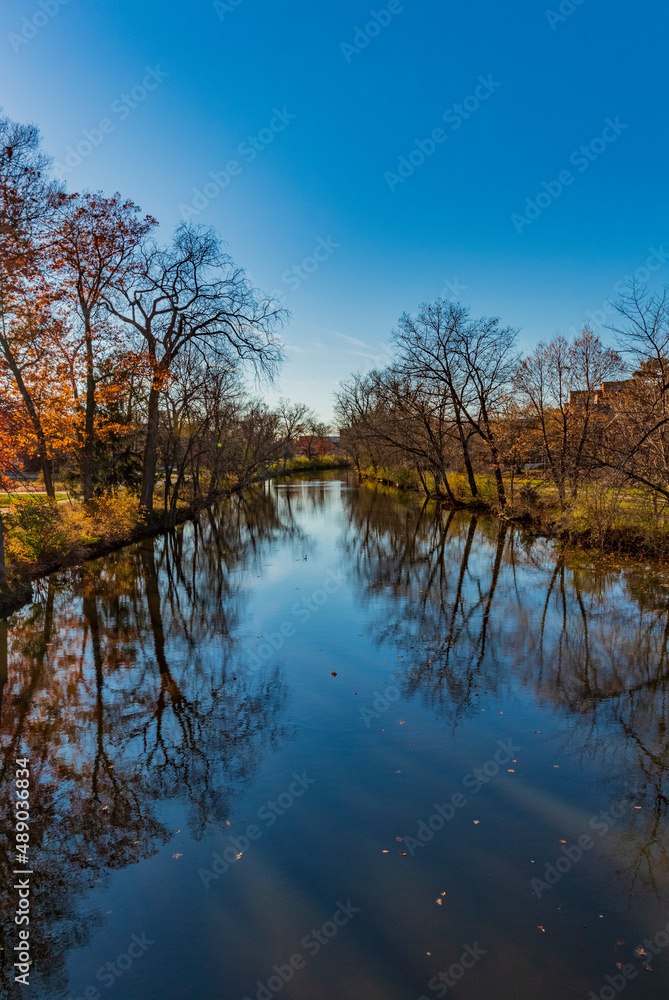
<point>325,743</point>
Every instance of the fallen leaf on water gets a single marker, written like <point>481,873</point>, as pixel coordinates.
<point>641,952</point>
<point>402,722</point>
<point>177,855</point>
<point>556,765</point>
<point>619,965</point>
<point>511,770</point>
<point>537,732</point>
<point>438,902</point>
<point>399,838</point>
<point>476,822</point>
<point>334,673</point>
<point>403,853</point>
<point>541,928</point>
<point>563,841</point>
<point>384,851</point>
<point>239,855</point>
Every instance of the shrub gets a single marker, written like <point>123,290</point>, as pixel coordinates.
<point>35,530</point>
<point>529,495</point>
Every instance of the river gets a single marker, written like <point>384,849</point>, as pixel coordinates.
<point>324,743</point>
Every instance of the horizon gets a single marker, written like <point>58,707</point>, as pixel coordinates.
<point>352,169</point>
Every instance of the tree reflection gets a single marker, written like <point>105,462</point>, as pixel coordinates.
<point>481,602</point>
<point>126,689</point>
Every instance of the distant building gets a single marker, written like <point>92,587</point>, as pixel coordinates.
<point>603,398</point>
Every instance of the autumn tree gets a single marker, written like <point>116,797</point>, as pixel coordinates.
<point>94,251</point>
<point>27,203</point>
<point>29,345</point>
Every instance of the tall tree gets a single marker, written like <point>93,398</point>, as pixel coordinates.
<point>27,202</point>
<point>192,293</point>
<point>547,380</point>
<point>428,350</point>
<point>94,252</point>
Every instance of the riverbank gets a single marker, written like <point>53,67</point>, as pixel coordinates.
<point>43,536</point>
<point>602,521</point>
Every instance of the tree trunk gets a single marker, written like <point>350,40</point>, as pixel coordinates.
<point>88,453</point>
<point>42,451</point>
<point>3,567</point>
<point>499,479</point>
<point>494,454</point>
<point>465,455</point>
<point>150,450</point>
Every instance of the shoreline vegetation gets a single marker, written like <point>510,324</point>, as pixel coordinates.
<point>570,439</point>
<point>58,536</point>
<point>602,524</point>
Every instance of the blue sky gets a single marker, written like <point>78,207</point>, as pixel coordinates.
<point>316,116</point>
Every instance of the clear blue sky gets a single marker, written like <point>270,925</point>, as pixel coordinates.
<point>326,175</point>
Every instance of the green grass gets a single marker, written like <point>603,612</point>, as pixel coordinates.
<point>7,500</point>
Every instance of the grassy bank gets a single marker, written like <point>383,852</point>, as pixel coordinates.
<point>42,535</point>
<point>602,519</point>
<point>296,465</point>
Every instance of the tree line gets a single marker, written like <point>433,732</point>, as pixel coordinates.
<point>123,359</point>
<point>458,407</point>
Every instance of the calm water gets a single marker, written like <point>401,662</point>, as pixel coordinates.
<point>319,745</point>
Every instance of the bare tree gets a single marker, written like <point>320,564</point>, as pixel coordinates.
<point>192,293</point>
<point>429,350</point>
<point>636,440</point>
<point>558,382</point>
